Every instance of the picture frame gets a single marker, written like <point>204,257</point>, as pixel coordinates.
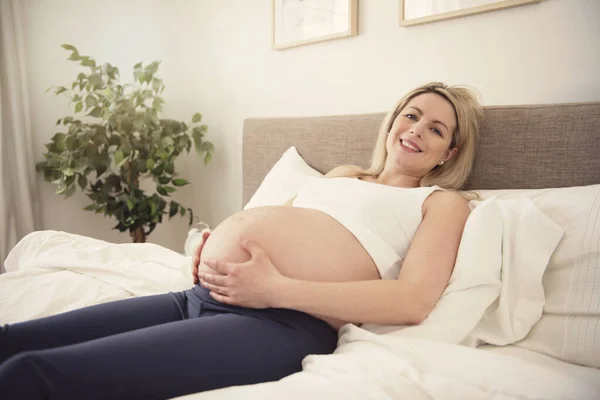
<point>301,22</point>
<point>417,12</point>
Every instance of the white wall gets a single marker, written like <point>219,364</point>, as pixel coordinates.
<point>217,60</point>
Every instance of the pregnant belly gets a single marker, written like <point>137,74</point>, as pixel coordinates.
<point>302,243</point>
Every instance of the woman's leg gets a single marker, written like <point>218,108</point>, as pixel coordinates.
<point>91,323</point>
<point>213,351</point>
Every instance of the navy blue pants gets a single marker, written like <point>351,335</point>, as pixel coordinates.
<point>155,347</point>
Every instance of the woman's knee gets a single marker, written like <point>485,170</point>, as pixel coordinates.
<point>24,376</point>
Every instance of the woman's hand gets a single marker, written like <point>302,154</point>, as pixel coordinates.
<point>196,260</point>
<point>253,283</point>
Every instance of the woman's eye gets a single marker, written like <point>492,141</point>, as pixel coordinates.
<point>437,131</point>
<point>411,116</point>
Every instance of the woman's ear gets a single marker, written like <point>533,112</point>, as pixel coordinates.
<point>450,154</point>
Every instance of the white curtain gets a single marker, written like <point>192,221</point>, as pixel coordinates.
<point>19,205</point>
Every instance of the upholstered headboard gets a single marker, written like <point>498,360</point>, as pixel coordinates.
<point>529,146</point>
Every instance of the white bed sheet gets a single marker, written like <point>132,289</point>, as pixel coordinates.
<point>367,366</point>
<point>586,374</point>
<point>52,271</point>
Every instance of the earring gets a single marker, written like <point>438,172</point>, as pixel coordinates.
<point>441,163</point>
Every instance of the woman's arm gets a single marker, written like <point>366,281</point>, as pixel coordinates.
<point>407,300</point>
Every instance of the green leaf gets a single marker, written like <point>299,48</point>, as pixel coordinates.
<point>149,163</point>
<point>88,62</point>
<point>118,157</point>
<point>71,142</point>
<point>156,84</point>
<point>208,147</point>
<point>59,138</point>
<point>197,135</point>
<point>130,204</point>
<point>152,68</point>
<point>173,208</point>
<point>100,169</point>
<point>96,112</point>
<point>152,209</point>
<point>60,90</point>
<point>147,94</point>
<point>90,101</point>
<point>163,180</point>
<point>106,92</point>
<point>157,103</point>
<point>167,141</point>
<point>207,158</point>
<point>157,171</point>
<point>74,56</point>
<point>68,47</point>
<point>67,171</point>
<point>70,191</point>
<point>138,65</point>
<point>82,181</point>
<point>91,207</point>
<point>96,79</point>
<point>78,106</point>
<point>142,77</point>
<point>170,189</point>
<point>161,190</point>
<point>180,182</point>
<point>196,118</point>
<point>182,210</point>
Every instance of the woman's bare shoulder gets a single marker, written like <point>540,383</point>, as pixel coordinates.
<point>448,200</point>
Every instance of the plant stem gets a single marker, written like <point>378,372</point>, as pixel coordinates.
<point>138,235</point>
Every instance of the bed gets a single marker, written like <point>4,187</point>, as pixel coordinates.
<point>534,323</point>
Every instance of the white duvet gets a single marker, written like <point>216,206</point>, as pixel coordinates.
<point>51,272</point>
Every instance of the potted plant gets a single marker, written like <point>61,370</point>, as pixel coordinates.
<point>115,140</point>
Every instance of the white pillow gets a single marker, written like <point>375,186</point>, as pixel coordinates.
<point>569,328</point>
<point>283,181</point>
<point>529,239</point>
<point>503,241</point>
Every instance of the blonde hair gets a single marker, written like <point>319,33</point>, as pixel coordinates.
<point>454,173</point>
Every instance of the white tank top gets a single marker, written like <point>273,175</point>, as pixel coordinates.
<point>383,218</point>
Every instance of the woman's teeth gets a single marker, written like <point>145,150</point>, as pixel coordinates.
<point>406,144</point>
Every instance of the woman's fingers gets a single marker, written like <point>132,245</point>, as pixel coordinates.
<point>215,288</point>
<point>197,254</point>
<point>219,280</point>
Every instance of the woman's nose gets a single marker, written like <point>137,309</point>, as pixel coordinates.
<point>416,129</point>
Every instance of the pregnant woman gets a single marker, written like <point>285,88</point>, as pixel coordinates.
<point>275,284</point>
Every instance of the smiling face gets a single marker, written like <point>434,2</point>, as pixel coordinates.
<point>421,136</point>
